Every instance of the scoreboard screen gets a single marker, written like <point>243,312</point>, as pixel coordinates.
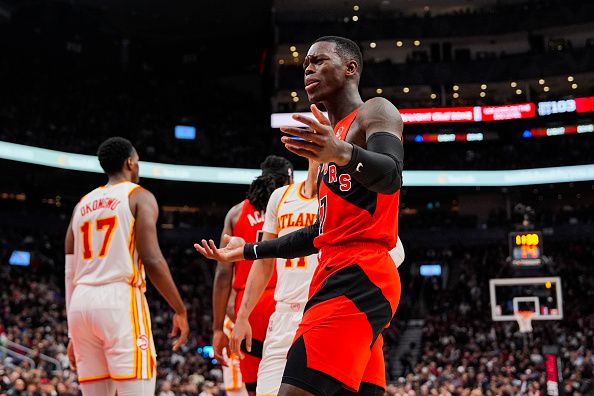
<point>525,248</point>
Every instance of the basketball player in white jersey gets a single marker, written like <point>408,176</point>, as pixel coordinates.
<point>289,208</point>
<point>110,243</point>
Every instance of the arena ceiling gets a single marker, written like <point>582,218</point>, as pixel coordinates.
<point>221,18</point>
<point>155,18</point>
<point>329,8</point>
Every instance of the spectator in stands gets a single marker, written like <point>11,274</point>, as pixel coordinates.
<point>166,389</point>
<point>18,389</point>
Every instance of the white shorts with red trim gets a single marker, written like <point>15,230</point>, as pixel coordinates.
<point>282,327</point>
<point>110,327</point>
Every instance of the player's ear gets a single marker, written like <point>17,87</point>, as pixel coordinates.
<point>130,163</point>
<point>352,67</point>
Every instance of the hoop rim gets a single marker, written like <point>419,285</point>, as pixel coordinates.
<point>524,319</point>
<point>524,314</point>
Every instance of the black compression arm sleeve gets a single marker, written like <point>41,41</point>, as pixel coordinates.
<point>379,168</point>
<point>296,244</point>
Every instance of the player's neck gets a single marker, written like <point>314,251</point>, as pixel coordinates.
<point>342,104</point>
<point>117,178</point>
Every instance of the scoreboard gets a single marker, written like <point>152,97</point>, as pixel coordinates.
<point>525,248</point>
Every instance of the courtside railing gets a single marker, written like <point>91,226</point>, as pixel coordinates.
<point>28,353</point>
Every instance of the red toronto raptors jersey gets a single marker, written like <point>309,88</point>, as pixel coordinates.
<point>249,227</point>
<point>349,212</point>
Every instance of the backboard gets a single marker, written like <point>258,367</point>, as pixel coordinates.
<point>541,295</point>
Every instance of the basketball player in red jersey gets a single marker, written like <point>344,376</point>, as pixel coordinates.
<point>355,290</point>
<point>245,220</point>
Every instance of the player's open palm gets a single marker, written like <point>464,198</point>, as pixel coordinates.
<point>220,342</point>
<point>233,250</point>
<point>318,141</point>
<point>242,330</point>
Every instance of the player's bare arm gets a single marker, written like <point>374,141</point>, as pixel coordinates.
<point>69,287</point>
<point>231,305</point>
<point>146,212</point>
<point>258,278</point>
<point>372,153</point>
<point>222,287</point>
<point>69,241</point>
<point>69,264</point>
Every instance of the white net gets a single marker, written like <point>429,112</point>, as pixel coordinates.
<point>524,319</point>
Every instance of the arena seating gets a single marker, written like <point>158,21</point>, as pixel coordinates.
<point>462,350</point>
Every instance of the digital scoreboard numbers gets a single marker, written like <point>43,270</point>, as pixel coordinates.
<point>525,248</point>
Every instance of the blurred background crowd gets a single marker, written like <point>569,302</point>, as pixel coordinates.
<point>73,73</point>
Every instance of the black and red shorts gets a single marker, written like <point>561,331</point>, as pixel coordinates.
<point>353,296</point>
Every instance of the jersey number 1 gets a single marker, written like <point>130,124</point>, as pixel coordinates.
<point>108,223</point>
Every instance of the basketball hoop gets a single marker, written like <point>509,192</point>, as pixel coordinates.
<point>524,319</point>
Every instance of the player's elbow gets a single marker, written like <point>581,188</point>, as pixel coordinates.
<point>390,183</point>
<point>379,168</point>
<point>153,263</point>
<point>394,183</point>
<point>390,190</point>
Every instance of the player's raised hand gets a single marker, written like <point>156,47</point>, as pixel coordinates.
<point>233,250</point>
<point>318,141</point>
<point>180,326</point>
<point>220,343</point>
<point>242,330</point>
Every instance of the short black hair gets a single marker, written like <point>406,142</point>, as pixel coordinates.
<point>345,48</point>
<point>277,166</point>
<point>113,152</point>
<point>276,171</point>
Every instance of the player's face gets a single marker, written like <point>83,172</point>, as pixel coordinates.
<point>134,167</point>
<point>324,71</point>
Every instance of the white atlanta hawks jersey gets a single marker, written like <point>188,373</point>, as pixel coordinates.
<point>104,238</point>
<point>289,210</point>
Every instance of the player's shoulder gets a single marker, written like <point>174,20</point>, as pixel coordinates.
<point>237,208</point>
<point>134,189</point>
<point>379,115</point>
<point>234,213</point>
<point>379,106</point>
<point>138,195</point>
